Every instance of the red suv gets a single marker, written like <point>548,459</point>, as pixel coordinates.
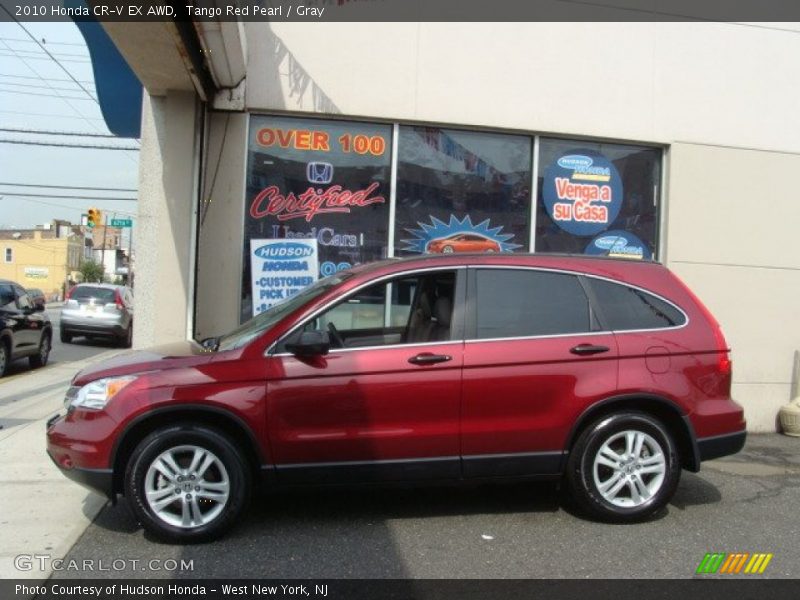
<point>608,374</point>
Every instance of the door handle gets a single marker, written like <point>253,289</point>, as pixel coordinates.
<point>586,349</point>
<point>429,359</point>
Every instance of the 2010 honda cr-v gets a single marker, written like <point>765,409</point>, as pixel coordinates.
<point>608,374</point>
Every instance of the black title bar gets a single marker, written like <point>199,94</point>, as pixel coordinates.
<point>314,11</point>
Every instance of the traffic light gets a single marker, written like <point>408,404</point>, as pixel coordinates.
<point>94,217</point>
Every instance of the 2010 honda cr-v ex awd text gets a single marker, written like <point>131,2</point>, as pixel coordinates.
<point>606,374</point>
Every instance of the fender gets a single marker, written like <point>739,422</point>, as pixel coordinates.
<point>687,443</point>
<point>214,411</point>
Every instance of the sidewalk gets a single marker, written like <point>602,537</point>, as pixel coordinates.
<point>42,511</point>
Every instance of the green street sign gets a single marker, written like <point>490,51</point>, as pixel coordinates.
<point>121,223</point>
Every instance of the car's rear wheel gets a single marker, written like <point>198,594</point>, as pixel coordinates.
<point>126,339</point>
<point>624,467</point>
<point>65,337</point>
<point>43,354</point>
<point>187,483</point>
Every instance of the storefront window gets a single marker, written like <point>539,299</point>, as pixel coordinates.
<point>462,191</point>
<point>597,198</point>
<point>322,180</point>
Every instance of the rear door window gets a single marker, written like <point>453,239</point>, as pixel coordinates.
<point>523,303</point>
<point>628,308</point>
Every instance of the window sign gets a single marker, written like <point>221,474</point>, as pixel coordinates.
<point>311,179</point>
<point>280,269</point>
<point>597,198</point>
<point>582,192</point>
<point>619,244</point>
<point>461,191</point>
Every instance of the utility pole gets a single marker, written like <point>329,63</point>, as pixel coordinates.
<point>103,247</point>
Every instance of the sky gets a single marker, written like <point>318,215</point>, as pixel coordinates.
<point>36,94</point>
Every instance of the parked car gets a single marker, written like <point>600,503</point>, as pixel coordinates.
<point>25,329</point>
<point>98,310</point>
<point>37,297</point>
<point>463,242</point>
<point>606,374</point>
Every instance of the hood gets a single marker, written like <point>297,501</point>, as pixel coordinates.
<point>166,356</point>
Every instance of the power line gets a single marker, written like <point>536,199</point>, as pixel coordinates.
<point>37,52</point>
<point>89,146</point>
<point>48,132</point>
<point>108,198</point>
<point>26,93</point>
<point>76,208</point>
<point>6,39</point>
<point>55,116</point>
<point>73,60</point>
<point>42,78</point>
<point>69,187</point>
<point>38,87</point>
<point>35,72</point>
<point>38,43</point>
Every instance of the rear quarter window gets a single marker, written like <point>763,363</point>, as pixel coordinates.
<point>626,308</point>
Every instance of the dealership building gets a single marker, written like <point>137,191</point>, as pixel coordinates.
<point>676,142</point>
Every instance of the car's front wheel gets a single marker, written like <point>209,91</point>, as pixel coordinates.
<point>65,337</point>
<point>623,467</point>
<point>187,483</point>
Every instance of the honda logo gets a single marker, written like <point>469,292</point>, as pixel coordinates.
<point>319,172</point>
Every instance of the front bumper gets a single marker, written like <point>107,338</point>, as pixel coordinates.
<point>62,451</point>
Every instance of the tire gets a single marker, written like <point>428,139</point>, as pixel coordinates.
<point>66,338</point>
<point>177,521</point>
<point>4,357</point>
<point>447,250</point>
<point>634,490</point>
<point>126,339</point>
<point>40,359</point>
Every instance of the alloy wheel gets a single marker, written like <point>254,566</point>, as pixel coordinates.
<point>629,468</point>
<point>187,486</point>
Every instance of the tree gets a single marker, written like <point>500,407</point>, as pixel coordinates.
<point>92,271</point>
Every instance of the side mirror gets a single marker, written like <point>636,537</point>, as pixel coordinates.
<point>310,343</point>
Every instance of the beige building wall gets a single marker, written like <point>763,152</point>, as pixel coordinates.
<point>730,235</point>
<point>717,96</point>
<point>40,262</point>
<point>221,226</point>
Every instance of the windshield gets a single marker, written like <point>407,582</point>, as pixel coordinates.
<point>250,330</point>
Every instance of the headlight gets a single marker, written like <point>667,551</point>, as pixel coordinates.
<point>95,395</point>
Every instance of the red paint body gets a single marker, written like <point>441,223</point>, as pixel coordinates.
<point>513,396</point>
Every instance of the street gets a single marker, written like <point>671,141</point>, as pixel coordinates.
<point>745,503</point>
<point>79,349</point>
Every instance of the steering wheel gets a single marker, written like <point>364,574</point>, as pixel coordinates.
<point>337,337</point>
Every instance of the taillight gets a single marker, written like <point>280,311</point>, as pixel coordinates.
<point>118,300</point>
<point>724,362</point>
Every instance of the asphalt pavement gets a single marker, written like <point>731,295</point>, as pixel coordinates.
<point>745,503</point>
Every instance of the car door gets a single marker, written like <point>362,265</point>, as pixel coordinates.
<point>533,359</point>
<point>383,404</point>
<point>31,321</point>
